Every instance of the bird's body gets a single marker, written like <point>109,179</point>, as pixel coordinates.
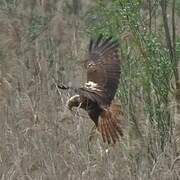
<point>97,94</point>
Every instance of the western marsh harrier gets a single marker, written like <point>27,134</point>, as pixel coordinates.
<point>97,94</point>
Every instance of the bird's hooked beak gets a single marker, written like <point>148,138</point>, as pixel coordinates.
<point>73,101</point>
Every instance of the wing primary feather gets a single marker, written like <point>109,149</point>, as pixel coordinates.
<point>98,41</point>
<point>110,45</point>
<point>90,45</point>
<point>106,41</point>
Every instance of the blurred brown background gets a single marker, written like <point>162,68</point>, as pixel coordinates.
<point>42,44</point>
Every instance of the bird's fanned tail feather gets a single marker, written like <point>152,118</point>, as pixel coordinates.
<point>109,124</point>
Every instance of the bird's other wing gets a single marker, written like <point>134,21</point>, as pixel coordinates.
<point>103,71</point>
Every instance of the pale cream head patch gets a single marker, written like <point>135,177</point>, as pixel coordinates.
<point>92,85</point>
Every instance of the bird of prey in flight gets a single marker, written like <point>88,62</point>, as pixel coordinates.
<point>96,96</point>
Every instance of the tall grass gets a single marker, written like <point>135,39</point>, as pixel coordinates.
<point>42,44</point>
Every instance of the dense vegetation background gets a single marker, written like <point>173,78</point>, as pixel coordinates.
<point>43,44</point>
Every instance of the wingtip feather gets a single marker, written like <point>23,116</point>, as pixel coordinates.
<point>103,43</point>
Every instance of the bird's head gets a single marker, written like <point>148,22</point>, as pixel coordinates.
<point>74,101</point>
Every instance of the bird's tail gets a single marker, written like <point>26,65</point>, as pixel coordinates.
<point>109,124</point>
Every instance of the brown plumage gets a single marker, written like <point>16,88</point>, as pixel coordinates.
<point>96,96</point>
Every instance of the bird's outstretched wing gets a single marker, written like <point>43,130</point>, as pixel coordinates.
<point>103,71</point>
